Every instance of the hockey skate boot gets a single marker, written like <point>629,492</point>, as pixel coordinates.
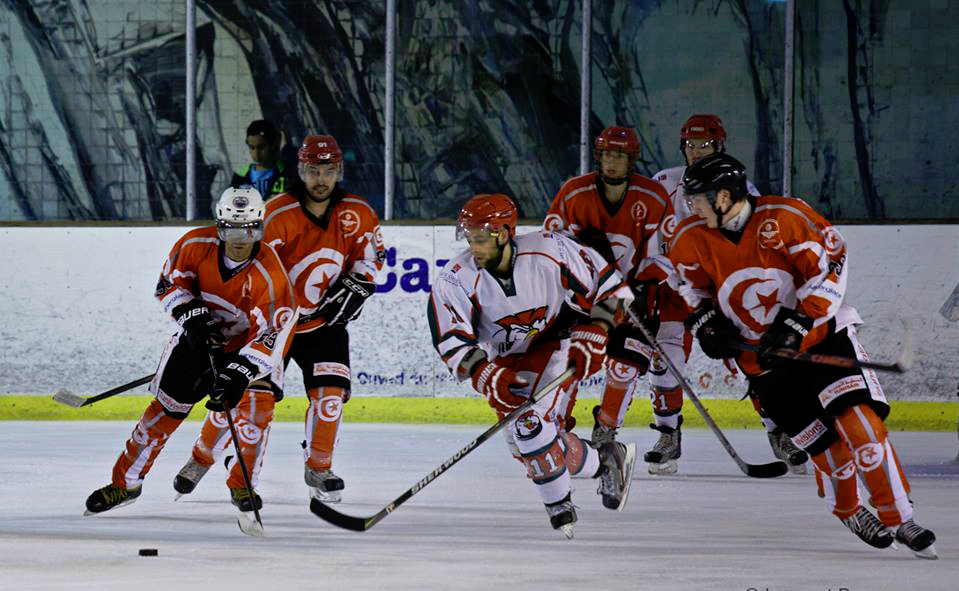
<point>240,497</point>
<point>325,486</point>
<point>188,477</point>
<point>110,497</point>
<point>562,516</point>
<point>869,529</point>
<point>662,458</point>
<point>601,433</point>
<point>618,461</point>
<point>918,539</point>
<point>786,450</point>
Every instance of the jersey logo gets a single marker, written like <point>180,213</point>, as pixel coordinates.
<point>523,324</point>
<point>757,294</point>
<point>553,223</point>
<point>833,240</point>
<point>669,226</point>
<point>349,222</point>
<point>769,236</point>
<point>638,211</point>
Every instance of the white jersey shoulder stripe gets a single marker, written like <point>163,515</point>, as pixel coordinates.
<point>682,231</point>
<point>280,210</point>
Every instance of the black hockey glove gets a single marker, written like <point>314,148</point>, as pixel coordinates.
<point>787,332</point>
<point>231,381</point>
<point>345,298</point>
<point>717,334</point>
<point>199,328</point>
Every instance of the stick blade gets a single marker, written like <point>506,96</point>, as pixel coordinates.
<point>64,396</point>
<point>770,470</point>
<point>334,517</point>
<point>250,527</point>
<point>908,355</point>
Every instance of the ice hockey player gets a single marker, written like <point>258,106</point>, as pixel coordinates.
<point>230,295</point>
<point>330,242</point>
<point>617,210</point>
<point>510,314</point>
<point>700,135</point>
<point>771,272</point>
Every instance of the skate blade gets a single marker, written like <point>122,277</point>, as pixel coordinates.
<point>178,496</point>
<point>88,513</point>
<point>333,496</point>
<point>796,469</point>
<point>628,467</point>
<point>567,530</point>
<point>249,525</point>
<point>928,553</point>
<point>666,468</point>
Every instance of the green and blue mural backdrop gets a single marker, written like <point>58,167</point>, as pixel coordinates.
<point>92,97</point>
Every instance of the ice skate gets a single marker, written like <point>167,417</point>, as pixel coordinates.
<point>786,450</point>
<point>601,433</point>
<point>240,497</point>
<point>869,529</point>
<point>110,497</point>
<point>662,458</point>
<point>562,516</point>
<point>325,486</point>
<point>188,477</point>
<point>918,539</point>
<point>618,462</point>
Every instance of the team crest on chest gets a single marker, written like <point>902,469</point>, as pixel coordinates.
<point>638,211</point>
<point>525,324</point>
<point>349,222</point>
<point>769,234</point>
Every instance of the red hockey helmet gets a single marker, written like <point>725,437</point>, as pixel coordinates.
<point>319,149</point>
<point>618,139</point>
<point>703,126</point>
<point>487,211</point>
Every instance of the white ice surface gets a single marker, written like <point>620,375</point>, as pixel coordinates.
<point>478,526</point>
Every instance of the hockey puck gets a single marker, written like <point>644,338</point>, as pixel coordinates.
<point>148,552</point>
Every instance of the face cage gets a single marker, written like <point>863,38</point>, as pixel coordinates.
<point>248,232</point>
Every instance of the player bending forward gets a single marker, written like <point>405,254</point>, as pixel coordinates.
<point>230,295</point>
<point>330,242</point>
<point>498,312</point>
<point>771,272</point>
<point>700,136</point>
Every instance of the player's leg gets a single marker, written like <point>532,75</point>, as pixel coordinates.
<point>781,444</point>
<point>180,382</point>
<point>253,418</point>
<point>214,437</point>
<point>666,396</point>
<point>323,355</point>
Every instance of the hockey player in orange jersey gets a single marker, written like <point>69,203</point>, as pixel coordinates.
<point>330,243</point>
<point>513,312</point>
<point>771,272</point>
<point>230,295</point>
<point>700,136</point>
<point>620,210</point>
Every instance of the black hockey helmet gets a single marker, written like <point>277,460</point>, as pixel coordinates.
<point>714,172</point>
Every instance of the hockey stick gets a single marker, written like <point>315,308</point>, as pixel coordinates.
<point>950,308</point>
<point>900,366</point>
<point>770,470</point>
<point>249,528</point>
<point>64,396</point>
<point>327,513</point>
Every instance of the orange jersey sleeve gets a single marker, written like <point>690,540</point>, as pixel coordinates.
<point>316,251</point>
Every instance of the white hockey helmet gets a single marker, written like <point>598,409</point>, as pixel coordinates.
<point>239,215</point>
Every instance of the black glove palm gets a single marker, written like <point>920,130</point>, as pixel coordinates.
<point>787,332</point>
<point>199,328</point>
<point>717,335</point>
<point>231,381</point>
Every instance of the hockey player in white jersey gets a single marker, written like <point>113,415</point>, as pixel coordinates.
<point>513,312</point>
<point>700,136</point>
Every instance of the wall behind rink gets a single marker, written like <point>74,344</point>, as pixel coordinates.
<point>78,311</point>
